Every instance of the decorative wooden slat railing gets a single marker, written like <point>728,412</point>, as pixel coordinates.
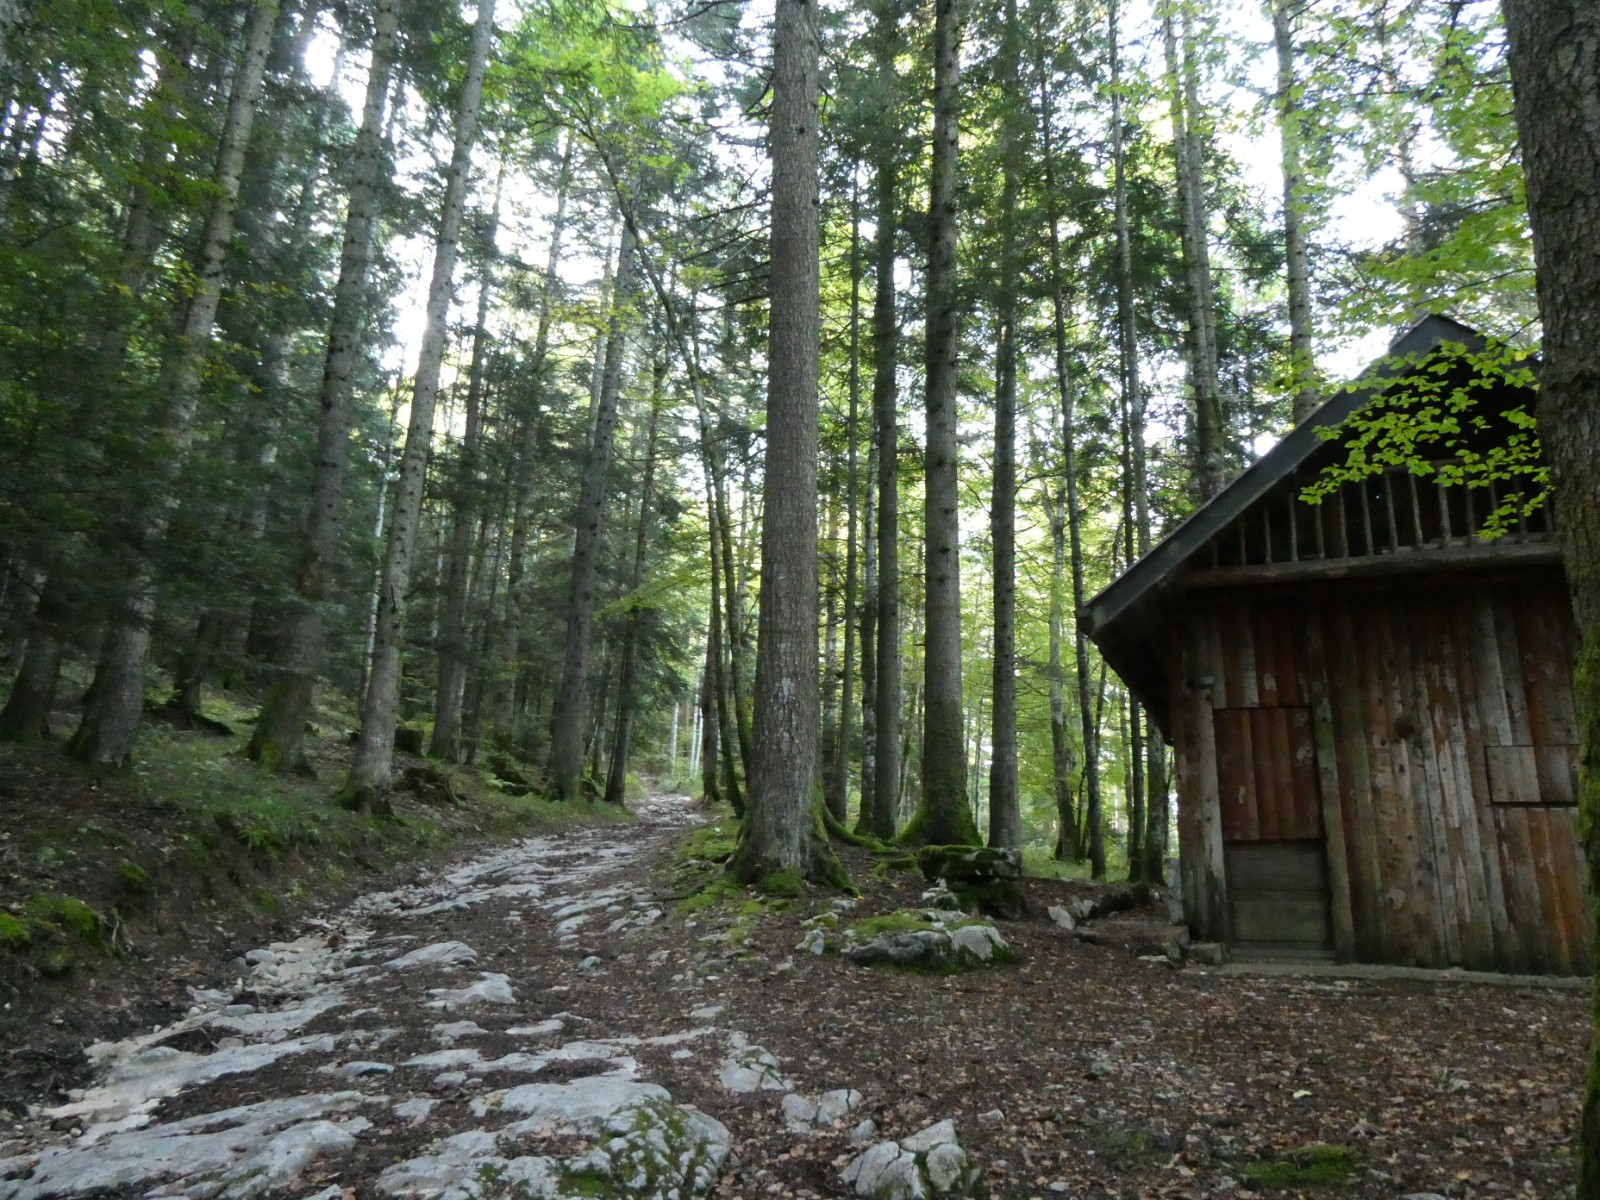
<point>1395,521</point>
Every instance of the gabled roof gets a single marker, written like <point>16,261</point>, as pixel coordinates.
<point>1110,618</point>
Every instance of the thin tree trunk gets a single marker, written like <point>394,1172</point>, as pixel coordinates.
<point>368,784</point>
<point>627,701</point>
<point>1005,802</point>
<point>116,706</point>
<point>564,781</point>
<point>1060,750</point>
<point>880,806</point>
<point>782,831</point>
<point>1296,254</point>
<point>527,454</point>
<point>833,597</point>
<point>838,787</point>
<point>709,791</point>
<point>452,644</point>
<point>1209,425</point>
<point>869,638</point>
<point>276,740</point>
<point>1094,842</point>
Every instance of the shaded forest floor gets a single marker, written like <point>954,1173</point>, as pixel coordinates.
<point>1080,1070</point>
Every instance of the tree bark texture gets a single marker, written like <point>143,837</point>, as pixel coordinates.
<point>1555,75</point>
<point>369,780</point>
<point>1005,801</point>
<point>782,830</point>
<point>943,817</point>
<point>879,806</point>
<point>838,784</point>
<point>275,742</point>
<point>1093,840</point>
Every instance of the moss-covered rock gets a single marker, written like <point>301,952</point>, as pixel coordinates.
<point>984,879</point>
<point>934,940</point>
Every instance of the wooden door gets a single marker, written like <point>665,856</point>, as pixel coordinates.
<point>1274,850</point>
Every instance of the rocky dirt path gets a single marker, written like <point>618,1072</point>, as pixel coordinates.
<point>435,1041</point>
<point>542,1021</point>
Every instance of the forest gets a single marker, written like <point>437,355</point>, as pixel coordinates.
<point>626,396</point>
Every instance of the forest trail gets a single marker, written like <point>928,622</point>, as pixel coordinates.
<point>545,1019</point>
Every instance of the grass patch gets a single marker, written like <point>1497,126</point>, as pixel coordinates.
<point>1313,1166</point>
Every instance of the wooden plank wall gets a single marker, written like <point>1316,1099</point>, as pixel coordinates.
<point>1444,728</point>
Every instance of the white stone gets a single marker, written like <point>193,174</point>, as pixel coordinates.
<point>925,1140</point>
<point>493,988</point>
<point>946,1167</point>
<point>799,1113</point>
<point>439,954</point>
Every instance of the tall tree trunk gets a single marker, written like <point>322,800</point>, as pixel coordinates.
<point>880,808</point>
<point>869,638</point>
<point>832,606</point>
<point>1555,72</point>
<point>527,454</point>
<point>717,664</point>
<point>1094,838</point>
<point>1183,86</point>
<point>1296,254</point>
<point>1060,750</point>
<point>116,705</point>
<point>276,740</point>
<point>782,831</point>
<point>1005,802</point>
<point>709,791</point>
<point>368,785</point>
<point>453,634</point>
<point>627,701</point>
<point>838,784</point>
<point>943,817</point>
<point>565,780</point>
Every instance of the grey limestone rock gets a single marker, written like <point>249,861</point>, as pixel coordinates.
<point>928,1163</point>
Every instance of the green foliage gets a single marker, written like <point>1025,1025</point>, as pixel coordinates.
<point>1433,415</point>
<point>1313,1166</point>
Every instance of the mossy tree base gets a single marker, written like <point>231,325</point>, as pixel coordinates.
<point>818,864</point>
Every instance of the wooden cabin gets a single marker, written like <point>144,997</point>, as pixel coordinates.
<point>1371,710</point>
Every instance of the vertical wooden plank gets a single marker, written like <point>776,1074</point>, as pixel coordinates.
<point>1296,802</point>
<point>1355,748</point>
<point>1243,686</point>
<point>1489,724</point>
<point>1303,767</point>
<point>1424,648</point>
<point>1520,730</point>
<point>1522,891</point>
<point>1211,887</point>
<point>1185,755</point>
<point>1290,628</point>
<point>1388,508</point>
<point>1330,792</point>
<point>1416,511</point>
<point>1265,644</point>
<point>1236,783</point>
<point>1391,845</point>
<point>1542,869</point>
<point>1424,905</point>
<point>1449,697</point>
<point>1572,881</point>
